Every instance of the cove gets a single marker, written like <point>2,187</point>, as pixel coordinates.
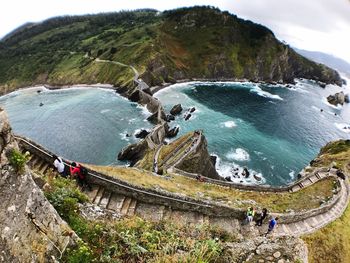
<point>274,131</point>
<point>87,125</point>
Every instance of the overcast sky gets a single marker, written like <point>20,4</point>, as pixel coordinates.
<point>318,25</point>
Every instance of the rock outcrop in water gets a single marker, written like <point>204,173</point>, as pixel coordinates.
<point>338,98</point>
<point>31,229</point>
<point>200,161</point>
<point>176,109</point>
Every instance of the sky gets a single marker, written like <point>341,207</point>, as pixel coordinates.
<point>317,25</point>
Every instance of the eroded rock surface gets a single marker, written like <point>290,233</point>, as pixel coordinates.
<point>31,229</point>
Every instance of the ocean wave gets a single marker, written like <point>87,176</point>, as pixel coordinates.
<point>265,94</point>
<point>344,127</point>
<point>144,110</point>
<point>238,154</point>
<point>105,111</point>
<point>298,89</point>
<point>228,124</point>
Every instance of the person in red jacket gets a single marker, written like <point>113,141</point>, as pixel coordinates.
<point>80,173</point>
<point>74,169</point>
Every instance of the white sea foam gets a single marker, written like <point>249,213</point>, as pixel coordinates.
<point>292,174</point>
<point>238,154</point>
<point>234,172</point>
<point>265,94</point>
<point>105,111</point>
<point>344,127</point>
<point>124,137</point>
<point>298,88</point>
<point>228,124</point>
<point>144,110</point>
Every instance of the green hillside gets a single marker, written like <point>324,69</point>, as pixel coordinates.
<point>198,42</point>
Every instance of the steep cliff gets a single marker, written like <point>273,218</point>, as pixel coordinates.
<point>31,230</point>
<point>197,42</point>
<point>200,161</point>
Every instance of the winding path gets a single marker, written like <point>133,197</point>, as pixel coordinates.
<point>111,193</point>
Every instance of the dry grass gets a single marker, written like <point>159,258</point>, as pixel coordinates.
<point>331,243</point>
<point>167,149</point>
<point>308,198</point>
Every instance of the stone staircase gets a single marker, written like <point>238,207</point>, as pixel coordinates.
<point>311,224</point>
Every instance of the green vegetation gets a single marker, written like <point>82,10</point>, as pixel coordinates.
<point>336,154</point>
<point>18,160</point>
<point>277,202</point>
<point>132,239</point>
<point>331,243</point>
<point>197,42</point>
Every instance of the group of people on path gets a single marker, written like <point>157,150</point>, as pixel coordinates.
<point>73,170</point>
<point>250,217</point>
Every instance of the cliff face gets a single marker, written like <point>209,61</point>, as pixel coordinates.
<point>200,161</point>
<point>31,230</point>
<point>197,42</point>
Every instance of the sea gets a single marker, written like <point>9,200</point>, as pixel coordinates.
<point>272,130</point>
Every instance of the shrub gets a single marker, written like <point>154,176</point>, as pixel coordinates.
<point>18,160</point>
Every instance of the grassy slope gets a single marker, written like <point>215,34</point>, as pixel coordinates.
<point>196,42</point>
<point>230,197</point>
<point>332,243</point>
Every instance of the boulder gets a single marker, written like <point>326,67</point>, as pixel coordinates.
<point>191,110</point>
<point>177,109</point>
<point>173,132</point>
<point>170,118</point>
<point>188,116</point>
<point>133,152</point>
<point>337,98</point>
<point>141,134</point>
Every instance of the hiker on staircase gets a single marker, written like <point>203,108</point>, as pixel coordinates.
<point>62,169</point>
<point>272,225</point>
<point>80,173</point>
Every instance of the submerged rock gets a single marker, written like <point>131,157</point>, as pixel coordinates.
<point>187,116</point>
<point>173,132</point>
<point>142,134</point>
<point>191,110</point>
<point>170,117</point>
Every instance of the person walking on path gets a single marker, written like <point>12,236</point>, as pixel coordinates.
<point>80,173</point>
<point>272,225</point>
<point>250,214</point>
<point>62,169</point>
<point>262,217</point>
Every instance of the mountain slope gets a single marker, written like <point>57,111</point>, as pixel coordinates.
<point>198,42</point>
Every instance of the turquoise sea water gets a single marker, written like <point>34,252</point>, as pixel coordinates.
<point>84,124</point>
<point>274,131</point>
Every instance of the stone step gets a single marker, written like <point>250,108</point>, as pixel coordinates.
<point>105,199</point>
<point>306,182</point>
<point>313,178</point>
<point>92,194</point>
<point>132,207</point>
<point>125,207</point>
<point>99,195</point>
<point>33,161</point>
<point>38,164</point>
<point>43,167</point>
<point>116,202</point>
